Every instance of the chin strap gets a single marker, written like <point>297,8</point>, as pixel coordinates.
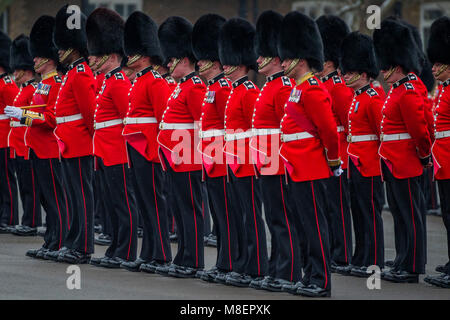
<point>19,76</point>
<point>44,61</point>
<point>231,70</point>
<point>207,66</point>
<point>175,62</point>
<point>102,61</point>
<point>65,55</point>
<point>389,74</point>
<point>133,59</point>
<point>291,67</point>
<point>441,69</point>
<point>353,79</point>
<point>265,62</point>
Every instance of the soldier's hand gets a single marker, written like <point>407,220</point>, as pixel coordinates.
<point>13,112</point>
<point>426,162</point>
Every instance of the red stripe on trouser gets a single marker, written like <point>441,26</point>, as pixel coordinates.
<point>57,205</point>
<point>374,225</point>
<point>9,188</point>
<point>256,228</point>
<point>157,212</point>
<point>228,222</point>
<point>67,207</point>
<point>195,223</point>
<point>414,225</point>
<point>85,210</point>
<point>342,214</point>
<point>34,194</point>
<point>129,210</point>
<point>320,237</point>
<point>289,229</point>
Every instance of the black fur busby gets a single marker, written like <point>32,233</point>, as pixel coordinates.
<point>5,44</point>
<point>236,43</point>
<point>104,30</point>
<point>66,38</point>
<point>141,37</point>
<point>332,30</point>
<point>358,55</point>
<point>20,55</point>
<point>175,35</point>
<point>268,29</point>
<point>205,37</point>
<point>395,46</point>
<point>41,39</point>
<point>300,38</point>
<point>439,42</point>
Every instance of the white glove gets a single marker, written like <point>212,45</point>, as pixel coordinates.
<point>337,172</point>
<point>13,112</point>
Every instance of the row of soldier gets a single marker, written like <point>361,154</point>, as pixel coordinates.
<point>307,145</point>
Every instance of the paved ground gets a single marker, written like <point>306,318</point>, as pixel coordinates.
<point>25,278</point>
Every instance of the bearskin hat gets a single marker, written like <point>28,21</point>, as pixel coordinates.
<point>205,37</point>
<point>66,38</point>
<point>5,44</point>
<point>20,55</point>
<point>141,37</point>
<point>268,29</point>
<point>104,30</point>
<point>358,55</point>
<point>175,35</point>
<point>236,43</point>
<point>439,42</point>
<point>332,30</point>
<point>41,38</point>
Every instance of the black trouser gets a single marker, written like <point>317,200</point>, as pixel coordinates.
<point>49,178</point>
<point>149,187</point>
<point>101,215</point>
<point>339,219</point>
<point>78,176</point>
<point>9,213</point>
<point>29,193</point>
<point>444,196</point>
<point>366,200</point>
<point>429,189</point>
<point>222,215</point>
<point>405,202</point>
<point>308,201</point>
<point>246,203</point>
<point>120,201</point>
<point>285,259</point>
<point>186,203</point>
<point>206,212</point>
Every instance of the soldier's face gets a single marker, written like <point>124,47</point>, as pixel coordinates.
<point>440,71</point>
<point>38,63</point>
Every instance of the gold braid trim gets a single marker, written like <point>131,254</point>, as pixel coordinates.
<point>30,116</point>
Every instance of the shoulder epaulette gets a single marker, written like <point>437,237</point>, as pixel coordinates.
<point>337,79</point>
<point>286,81</point>
<point>170,80</point>
<point>223,83</point>
<point>313,82</point>
<point>57,79</point>
<point>7,79</point>
<point>156,74</point>
<point>409,86</point>
<point>372,92</point>
<point>118,76</point>
<point>34,84</point>
<point>80,68</point>
<point>249,85</point>
<point>197,80</point>
<point>412,77</point>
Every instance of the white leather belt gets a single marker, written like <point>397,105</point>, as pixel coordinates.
<point>442,134</point>
<point>265,132</point>
<point>238,136</point>
<point>74,117</point>
<point>340,129</point>
<point>140,120</point>
<point>211,133</point>
<point>176,126</point>
<point>4,117</point>
<point>106,124</point>
<point>395,137</point>
<point>362,138</point>
<point>296,136</point>
<point>15,124</point>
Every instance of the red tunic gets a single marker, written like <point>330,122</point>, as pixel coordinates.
<point>341,98</point>
<point>213,112</point>
<point>76,96</point>
<point>183,110</point>
<point>39,136</point>
<point>441,147</point>
<point>16,137</point>
<point>403,113</point>
<point>269,110</point>
<point>99,77</point>
<point>147,99</point>
<point>238,120</point>
<point>364,118</point>
<point>112,104</point>
<point>379,89</point>
<point>8,91</point>
<point>309,110</point>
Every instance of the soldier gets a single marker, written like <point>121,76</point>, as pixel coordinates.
<point>333,30</point>
<point>9,214</point>
<point>284,263</point>
<point>178,147</point>
<point>74,110</point>
<point>22,65</point>
<point>359,65</point>
<point>40,140</point>
<point>147,102</point>
<point>205,37</point>
<point>310,146</point>
<point>238,57</point>
<point>405,147</point>
<point>439,55</point>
